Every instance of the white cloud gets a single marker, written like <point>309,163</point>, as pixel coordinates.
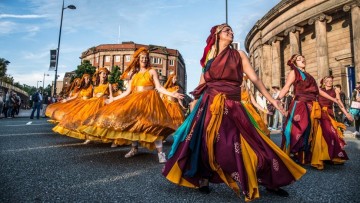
<point>31,16</point>
<point>7,27</point>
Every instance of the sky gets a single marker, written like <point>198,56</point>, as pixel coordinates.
<point>29,29</point>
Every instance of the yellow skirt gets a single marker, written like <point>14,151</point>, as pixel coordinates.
<point>175,111</point>
<point>140,116</point>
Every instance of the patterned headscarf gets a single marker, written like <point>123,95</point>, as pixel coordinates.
<point>211,48</point>
<point>131,67</point>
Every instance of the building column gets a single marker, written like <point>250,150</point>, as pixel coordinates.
<point>321,44</point>
<point>266,66</point>
<point>355,25</point>
<point>294,38</point>
<point>276,60</point>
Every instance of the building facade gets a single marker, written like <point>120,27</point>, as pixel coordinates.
<point>165,61</point>
<point>326,32</point>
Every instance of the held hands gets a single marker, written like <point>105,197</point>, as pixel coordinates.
<point>349,117</point>
<point>177,95</point>
<point>277,104</point>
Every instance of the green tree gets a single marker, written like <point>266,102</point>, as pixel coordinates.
<point>115,75</point>
<point>84,67</point>
<point>3,66</point>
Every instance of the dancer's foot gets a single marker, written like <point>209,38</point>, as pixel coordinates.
<point>204,186</point>
<point>162,157</point>
<point>131,153</point>
<point>278,191</point>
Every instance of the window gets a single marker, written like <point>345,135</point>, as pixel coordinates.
<point>127,58</point>
<point>155,60</point>
<point>107,59</point>
<point>172,62</point>
<point>117,58</point>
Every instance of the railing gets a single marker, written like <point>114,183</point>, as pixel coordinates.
<point>11,87</point>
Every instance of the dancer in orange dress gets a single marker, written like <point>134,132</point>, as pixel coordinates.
<point>51,110</point>
<point>71,121</point>
<point>174,106</point>
<point>138,115</point>
<point>115,90</point>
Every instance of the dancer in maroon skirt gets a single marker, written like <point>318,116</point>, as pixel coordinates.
<point>302,137</point>
<point>218,142</point>
<point>332,130</point>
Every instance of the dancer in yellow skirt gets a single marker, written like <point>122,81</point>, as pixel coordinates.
<point>71,121</point>
<point>138,115</point>
<point>51,110</point>
<point>249,102</point>
<point>174,106</point>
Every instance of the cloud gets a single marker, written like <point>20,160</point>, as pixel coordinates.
<point>21,16</point>
<point>7,27</point>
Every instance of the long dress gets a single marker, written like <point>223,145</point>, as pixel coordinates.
<point>218,141</point>
<point>140,116</point>
<point>83,96</point>
<point>52,108</point>
<point>252,113</point>
<point>73,120</point>
<point>173,107</point>
<point>332,139</point>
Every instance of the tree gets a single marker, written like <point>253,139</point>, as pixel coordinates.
<point>84,67</point>
<point>115,75</point>
<point>3,66</point>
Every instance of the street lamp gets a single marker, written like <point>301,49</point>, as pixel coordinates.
<point>44,82</point>
<point>58,49</point>
<point>37,84</point>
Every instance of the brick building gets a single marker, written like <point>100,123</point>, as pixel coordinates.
<point>326,32</point>
<point>165,61</point>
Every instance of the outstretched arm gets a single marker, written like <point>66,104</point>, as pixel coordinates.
<point>161,89</point>
<point>249,71</point>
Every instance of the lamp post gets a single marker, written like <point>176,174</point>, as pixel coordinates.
<point>44,82</point>
<point>226,11</point>
<point>58,49</point>
<point>37,84</point>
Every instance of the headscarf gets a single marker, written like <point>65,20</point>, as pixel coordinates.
<point>211,48</point>
<point>291,61</point>
<point>133,62</point>
<point>169,82</point>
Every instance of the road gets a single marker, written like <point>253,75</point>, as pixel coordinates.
<point>38,165</point>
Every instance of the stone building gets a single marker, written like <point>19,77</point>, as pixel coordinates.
<point>326,32</point>
<point>165,61</point>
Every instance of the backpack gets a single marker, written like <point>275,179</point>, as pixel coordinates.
<point>35,97</point>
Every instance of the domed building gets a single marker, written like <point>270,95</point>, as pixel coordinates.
<point>326,32</point>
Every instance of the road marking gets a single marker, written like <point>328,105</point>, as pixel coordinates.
<point>29,123</point>
<point>47,147</point>
<point>20,134</point>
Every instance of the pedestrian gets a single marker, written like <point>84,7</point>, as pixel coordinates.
<point>261,100</point>
<point>277,117</point>
<point>339,115</point>
<point>355,109</point>
<point>37,100</point>
<point>1,102</point>
<point>138,116</point>
<point>218,142</point>
<point>301,136</point>
<point>45,104</point>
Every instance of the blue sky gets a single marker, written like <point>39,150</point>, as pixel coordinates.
<point>30,28</point>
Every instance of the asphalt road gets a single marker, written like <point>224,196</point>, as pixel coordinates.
<point>38,165</point>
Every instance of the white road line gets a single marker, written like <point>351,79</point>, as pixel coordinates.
<point>20,134</point>
<point>47,147</point>
<point>29,123</point>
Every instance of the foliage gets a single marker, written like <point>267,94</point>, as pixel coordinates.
<point>3,67</point>
<point>84,67</point>
<point>114,77</point>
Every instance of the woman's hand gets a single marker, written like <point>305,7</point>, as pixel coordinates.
<point>64,100</point>
<point>277,104</point>
<point>108,101</point>
<point>349,117</point>
<point>177,95</point>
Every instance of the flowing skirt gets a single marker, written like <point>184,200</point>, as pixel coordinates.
<point>175,111</point>
<point>77,115</point>
<point>219,141</point>
<point>256,118</point>
<point>140,116</point>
